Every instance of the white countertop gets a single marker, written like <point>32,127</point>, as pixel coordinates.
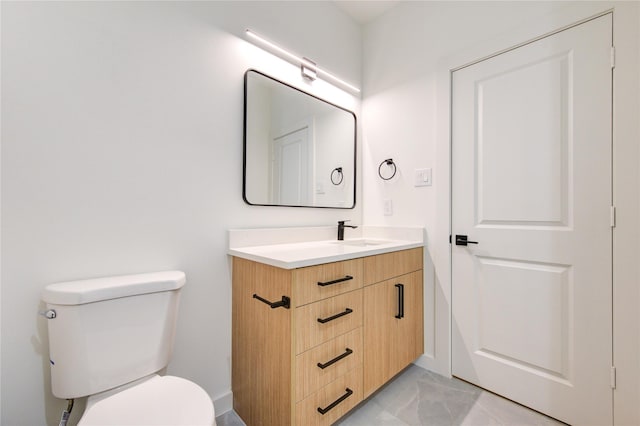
<point>291,255</point>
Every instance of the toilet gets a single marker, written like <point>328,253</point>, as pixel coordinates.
<point>109,338</point>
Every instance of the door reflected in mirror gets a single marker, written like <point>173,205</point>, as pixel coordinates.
<point>299,150</point>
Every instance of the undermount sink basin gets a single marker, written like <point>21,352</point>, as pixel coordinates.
<point>361,243</point>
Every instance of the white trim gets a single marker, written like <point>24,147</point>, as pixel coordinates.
<point>533,40</point>
<point>223,403</point>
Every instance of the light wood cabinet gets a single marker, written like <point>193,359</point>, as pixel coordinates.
<point>312,361</point>
<point>393,336</point>
<point>323,320</point>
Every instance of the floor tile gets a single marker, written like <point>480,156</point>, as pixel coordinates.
<point>370,413</point>
<point>230,418</point>
<point>417,397</point>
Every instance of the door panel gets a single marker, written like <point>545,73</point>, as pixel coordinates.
<point>531,183</point>
<point>523,314</point>
<point>531,187</point>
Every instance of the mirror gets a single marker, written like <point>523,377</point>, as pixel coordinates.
<point>299,150</point>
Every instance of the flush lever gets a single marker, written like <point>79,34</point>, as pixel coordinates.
<point>49,314</point>
<point>461,240</point>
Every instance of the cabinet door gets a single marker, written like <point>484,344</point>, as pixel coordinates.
<point>393,336</point>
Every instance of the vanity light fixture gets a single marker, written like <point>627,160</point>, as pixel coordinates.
<point>308,68</point>
<point>310,72</point>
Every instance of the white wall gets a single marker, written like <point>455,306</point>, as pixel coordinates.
<point>122,153</point>
<point>406,115</point>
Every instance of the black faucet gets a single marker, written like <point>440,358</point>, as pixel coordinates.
<point>341,227</point>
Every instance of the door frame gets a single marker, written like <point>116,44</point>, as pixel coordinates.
<point>626,191</point>
<point>612,177</point>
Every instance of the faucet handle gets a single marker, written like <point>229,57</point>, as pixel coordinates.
<point>341,223</point>
<point>341,227</point>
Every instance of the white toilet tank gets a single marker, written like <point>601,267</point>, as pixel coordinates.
<point>110,331</point>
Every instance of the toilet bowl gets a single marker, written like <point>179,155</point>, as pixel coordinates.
<point>157,400</point>
<point>108,338</point>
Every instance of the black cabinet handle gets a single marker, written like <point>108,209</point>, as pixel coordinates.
<point>346,353</point>
<point>285,302</point>
<point>339,280</point>
<point>400,288</point>
<point>331,318</point>
<point>462,240</point>
<point>324,411</point>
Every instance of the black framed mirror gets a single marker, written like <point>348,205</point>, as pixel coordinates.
<point>299,150</point>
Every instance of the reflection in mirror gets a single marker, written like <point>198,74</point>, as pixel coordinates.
<point>299,150</point>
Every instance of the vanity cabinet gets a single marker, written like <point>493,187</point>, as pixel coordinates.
<point>314,355</point>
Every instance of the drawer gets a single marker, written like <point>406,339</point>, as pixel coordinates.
<point>337,357</point>
<point>345,393</point>
<point>384,266</point>
<point>321,321</point>
<point>330,279</point>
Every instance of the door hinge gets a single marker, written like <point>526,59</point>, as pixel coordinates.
<point>613,56</point>
<point>613,216</point>
<point>613,377</point>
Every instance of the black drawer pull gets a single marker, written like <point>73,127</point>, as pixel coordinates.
<point>324,411</point>
<point>285,302</point>
<point>331,318</point>
<point>339,280</point>
<point>400,288</point>
<point>346,353</point>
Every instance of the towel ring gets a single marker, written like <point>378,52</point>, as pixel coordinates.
<point>339,176</point>
<point>388,162</point>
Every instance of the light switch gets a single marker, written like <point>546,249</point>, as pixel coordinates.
<point>422,177</point>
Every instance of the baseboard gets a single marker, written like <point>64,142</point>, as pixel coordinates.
<point>223,403</point>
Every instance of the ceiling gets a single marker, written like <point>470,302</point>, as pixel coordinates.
<point>364,11</point>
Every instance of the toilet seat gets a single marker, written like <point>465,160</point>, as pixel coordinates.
<point>160,400</point>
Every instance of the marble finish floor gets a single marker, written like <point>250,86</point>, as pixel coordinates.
<point>417,397</point>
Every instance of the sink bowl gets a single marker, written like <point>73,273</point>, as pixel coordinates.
<point>360,242</point>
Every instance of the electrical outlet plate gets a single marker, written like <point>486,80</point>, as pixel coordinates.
<point>388,207</point>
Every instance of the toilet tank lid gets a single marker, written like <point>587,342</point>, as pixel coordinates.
<point>97,289</point>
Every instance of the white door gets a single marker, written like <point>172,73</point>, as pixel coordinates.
<point>531,184</point>
<point>291,180</point>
